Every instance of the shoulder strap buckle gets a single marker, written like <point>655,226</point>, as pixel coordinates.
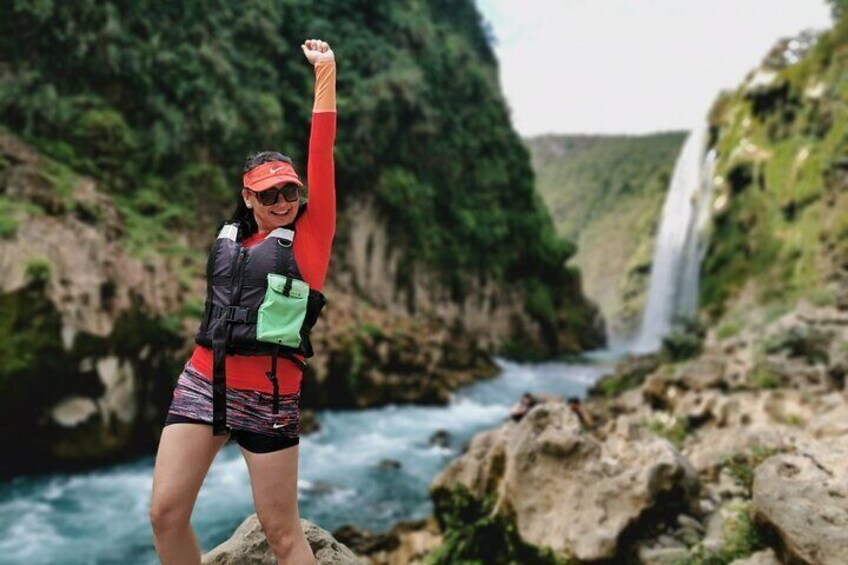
<point>284,236</point>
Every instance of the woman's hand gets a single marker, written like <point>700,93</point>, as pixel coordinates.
<point>317,50</point>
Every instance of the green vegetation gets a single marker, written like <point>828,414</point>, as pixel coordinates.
<point>37,270</point>
<point>162,104</point>
<point>614,385</point>
<point>29,328</point>
<point>838,7</point>
<point>812,344</point>
<point>673,429</point>
<point>685,341</point>
<point>762,377</point>
<point>474,535</point>
<point>606,193</point>
<point>628,377</point>
<point>741,466</point>
<point>779,232</point>
<point>12,213</point>
<point>8,220</point>
<point>730,328</point>
<point>741,539</point>
<point>583,177</point>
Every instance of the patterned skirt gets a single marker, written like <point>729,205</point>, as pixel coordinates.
<point>247,410</point>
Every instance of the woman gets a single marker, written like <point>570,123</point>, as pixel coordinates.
<point>259,403</point>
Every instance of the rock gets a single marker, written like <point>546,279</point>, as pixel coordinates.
<point>308,422</point>
<point>700,407</point>
<point>726,487</point>
<point>249,546</point>
<point>714,446</point>
<point>364,541</point>
<point>789,372</point>
<point>119,381</point>
<point>481,466</point>
<point>670,542</point>
<point>761,81</point>
<point>389,464</point>
<point>408,542</point>
<point>630,372</point>
<point>705,372</point>
<point>320,487</point>
<point>662,555</point>
<point>765,557</point>
<point>440,438</point>
<point>567,490</point>
<point>831,417</point>
<point>721,522</point>
<point>803,498</point>
<point>686,521</point>
<point>73,411</point>
<point>746,409</point>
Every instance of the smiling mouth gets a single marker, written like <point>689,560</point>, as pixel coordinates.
<point>280,213</point>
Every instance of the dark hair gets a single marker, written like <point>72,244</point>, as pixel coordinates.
<point>265,157</point>
<point>242,213</point>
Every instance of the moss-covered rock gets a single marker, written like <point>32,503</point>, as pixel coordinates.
<point>100,401</point>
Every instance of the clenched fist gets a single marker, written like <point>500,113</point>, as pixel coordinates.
<point>317,50</point>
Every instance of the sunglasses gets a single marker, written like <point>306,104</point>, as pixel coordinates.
<point>271,196</point>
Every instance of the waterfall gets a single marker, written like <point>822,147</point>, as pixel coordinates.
<point>680,243</point>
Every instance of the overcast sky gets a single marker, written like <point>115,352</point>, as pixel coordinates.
<point>632,66</point>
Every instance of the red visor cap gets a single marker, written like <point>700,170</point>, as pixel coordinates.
<point>270,174</point>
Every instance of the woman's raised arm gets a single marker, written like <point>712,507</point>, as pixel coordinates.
<point>321,213</point>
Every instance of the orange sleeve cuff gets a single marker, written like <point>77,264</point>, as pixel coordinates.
<point>325,87</point>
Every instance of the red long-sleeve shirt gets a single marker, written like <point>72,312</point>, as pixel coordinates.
<point>313,241</point>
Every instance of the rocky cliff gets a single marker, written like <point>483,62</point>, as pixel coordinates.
<point>781,193</point>
<point>124,123</point>
<point>738,453</point>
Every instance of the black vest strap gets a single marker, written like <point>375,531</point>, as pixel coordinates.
<point>219,376</point>
<point>272,374</point>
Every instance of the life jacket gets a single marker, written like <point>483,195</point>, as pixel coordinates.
<point>257,303</point>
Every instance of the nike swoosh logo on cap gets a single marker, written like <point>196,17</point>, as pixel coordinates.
<point>276,170</point>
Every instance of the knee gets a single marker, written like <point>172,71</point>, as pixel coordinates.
<point>167,516</point>
<point>281,536</point>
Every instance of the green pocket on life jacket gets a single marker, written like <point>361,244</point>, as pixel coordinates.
<point>282,311</point>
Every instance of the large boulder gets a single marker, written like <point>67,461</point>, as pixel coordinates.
<point>248,546</point>
<point>803,498</point>
<point>565,489</point>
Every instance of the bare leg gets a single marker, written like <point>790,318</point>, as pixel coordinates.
<point>185,453</point>
<point>273,478</point>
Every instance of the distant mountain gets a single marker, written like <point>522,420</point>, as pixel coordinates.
<point>606,193</point>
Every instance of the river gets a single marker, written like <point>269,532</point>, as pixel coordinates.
<point>100,517</point>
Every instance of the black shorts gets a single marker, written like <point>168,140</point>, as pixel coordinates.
<point>249,413</point>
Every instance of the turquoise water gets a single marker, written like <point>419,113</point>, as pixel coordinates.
<point>100,517</point>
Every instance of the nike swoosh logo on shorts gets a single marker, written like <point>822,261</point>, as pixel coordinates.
<point>275,426</point>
